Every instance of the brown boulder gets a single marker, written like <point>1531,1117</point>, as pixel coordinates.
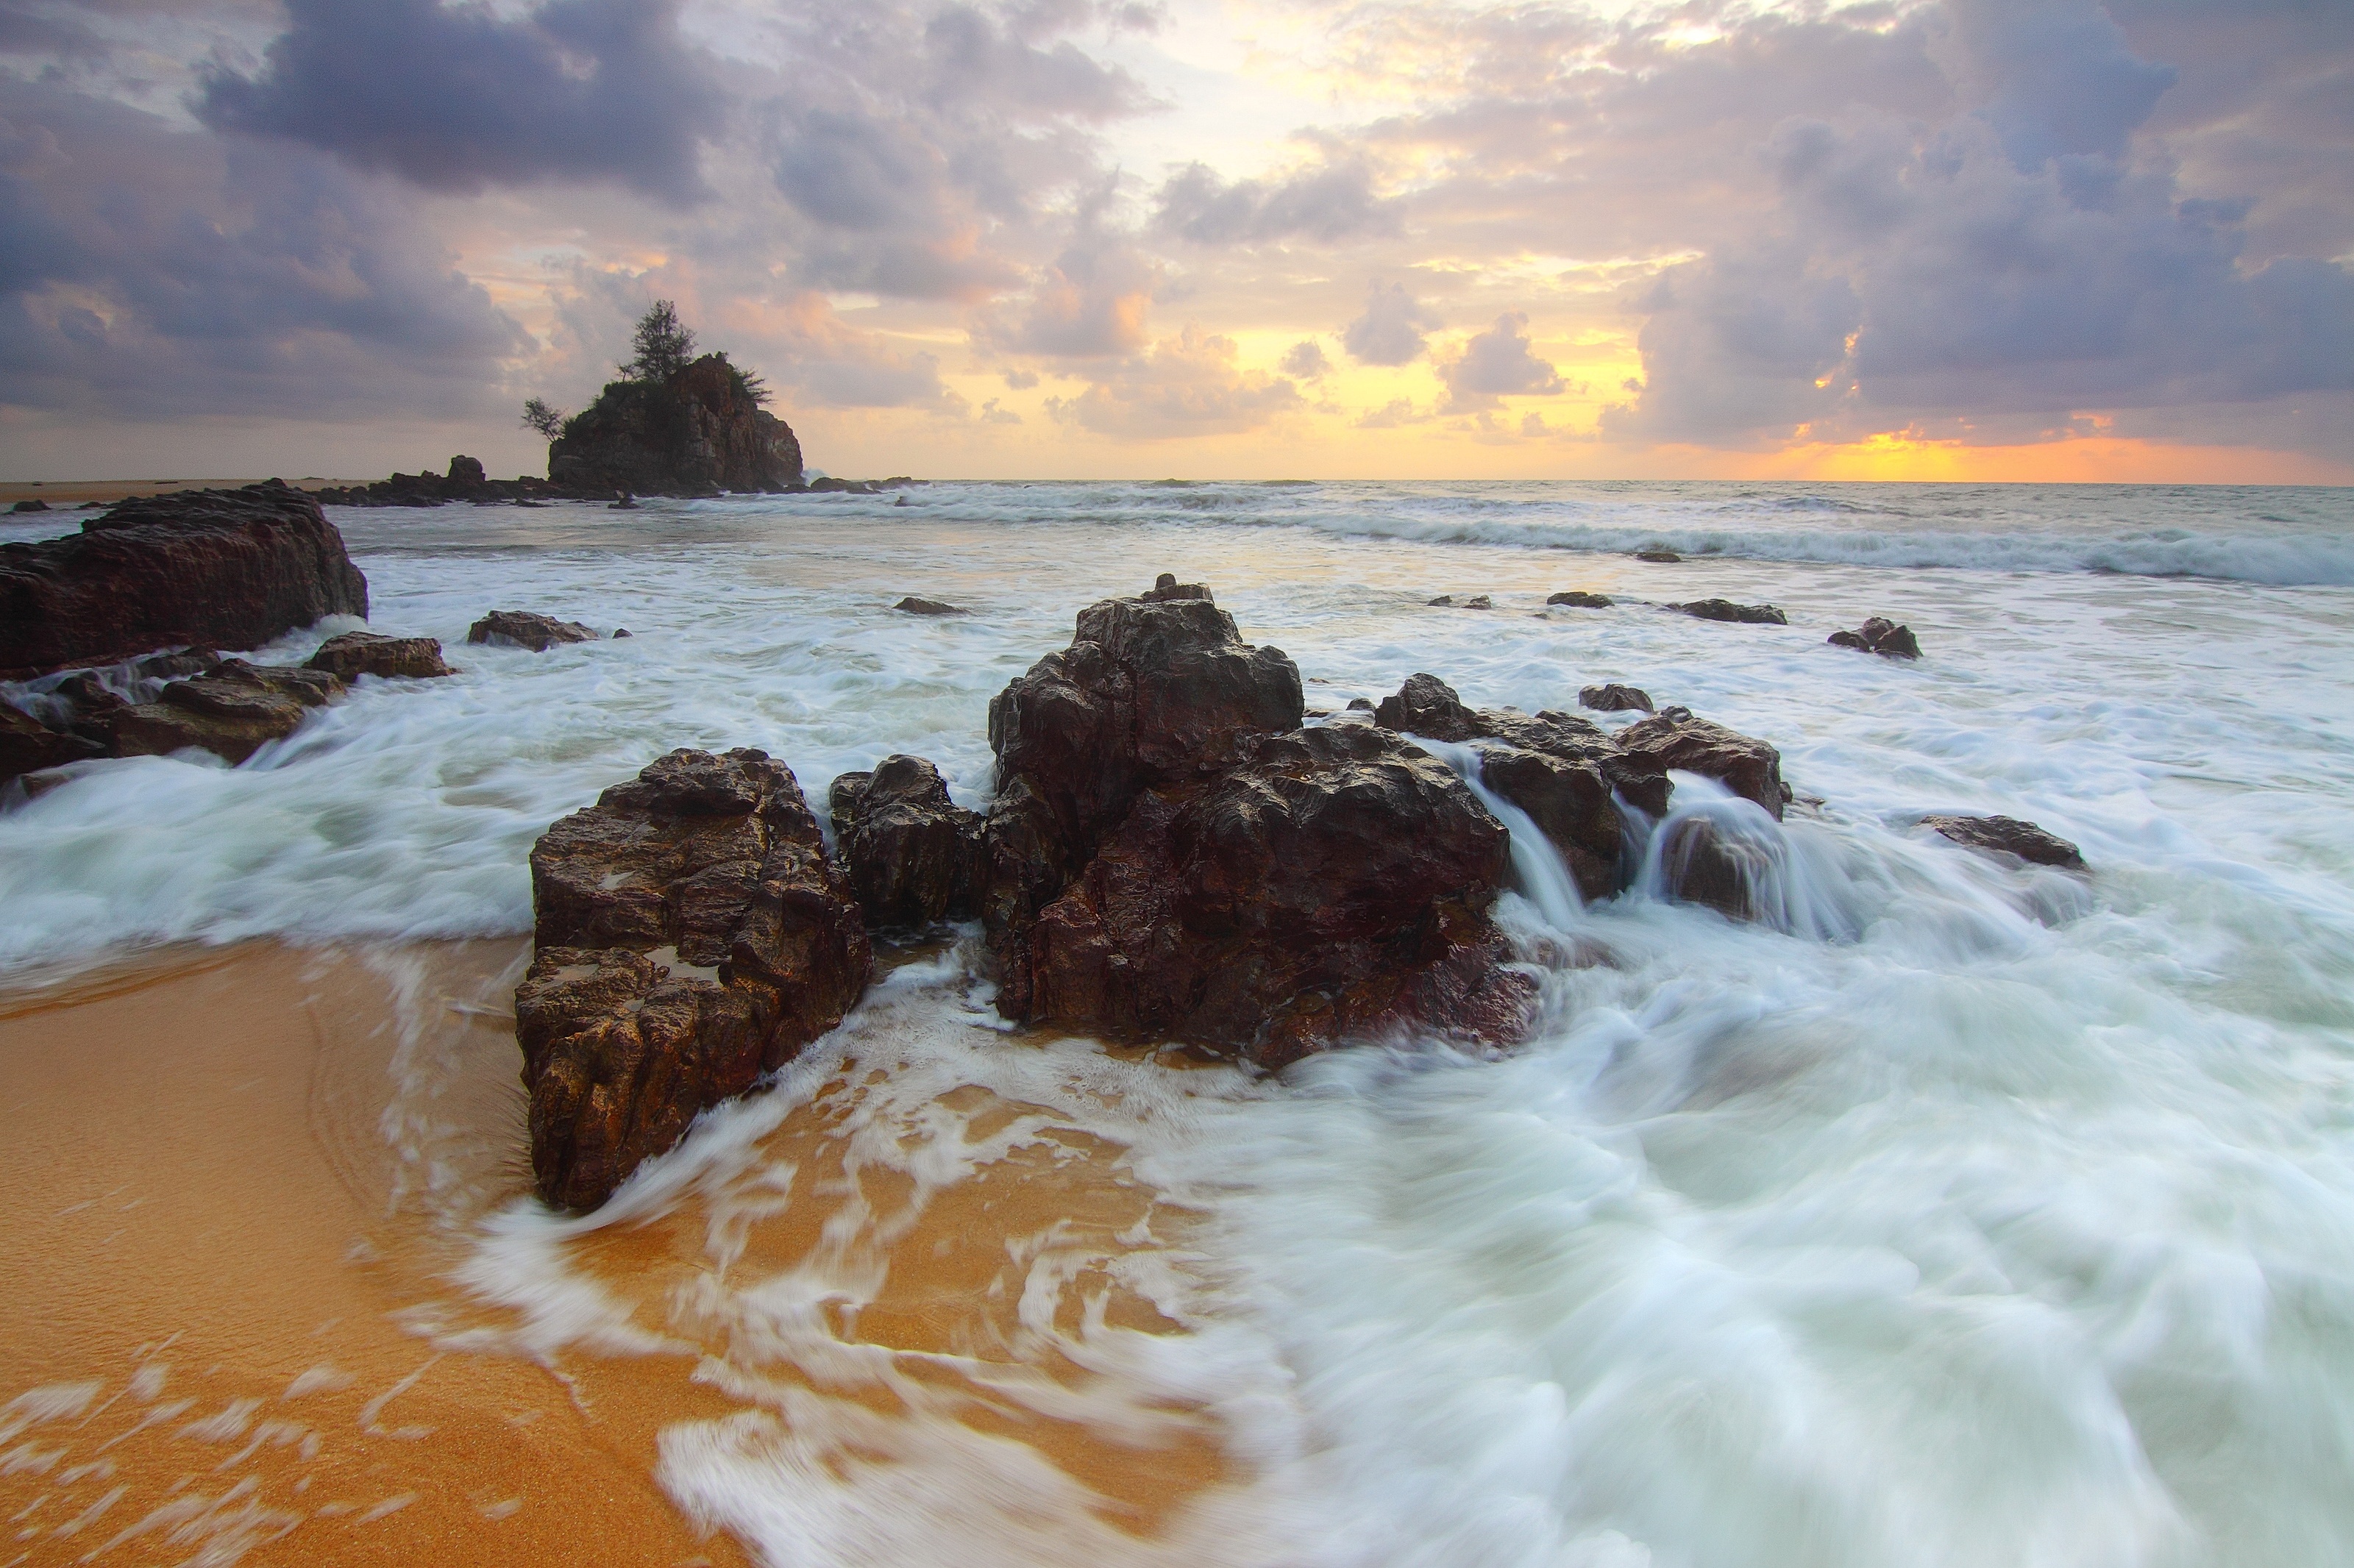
<point>1615,698</point>
<point>1334,884</point>
<point>1881,636</point>
<point>914,856</point>
<point>353,654</point>
<point>527,628</point>
<point>1725,610</point>
<point>230,710</point>
<point>2009,836</point>
<point>230,569</point>
<point>692,935</point>
<point>1674,739</point>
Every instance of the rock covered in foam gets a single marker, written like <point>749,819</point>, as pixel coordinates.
<point>692,935</point>
<point>229,568</point>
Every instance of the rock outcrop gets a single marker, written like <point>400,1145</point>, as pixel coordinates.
<point>1725,610</point>
<point>351,654</point>
<point>691,935</point>
<point>914,856</point>
<point>527,628</point>
<point>2008,836</point>
<point>232,711</point>
<point>1615,698</point>
<point>227,569</point>
<point>1881,636</point>
<point>1742,764</point>
<point>699,433</point>
<point>1561,769</point>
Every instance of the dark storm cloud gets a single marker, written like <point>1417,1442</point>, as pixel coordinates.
<point>148,272</point>
<point>1390,330</point>
<point>1326,204</point>
<point>459,98</point>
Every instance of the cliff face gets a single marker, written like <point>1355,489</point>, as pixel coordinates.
<point>696,434</point>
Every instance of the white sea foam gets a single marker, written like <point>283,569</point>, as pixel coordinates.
<point>1960,1214</point>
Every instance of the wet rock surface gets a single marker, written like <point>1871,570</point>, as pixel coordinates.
<point>527,628</point>
<point>913,856</point>
<point>351,654</point>
<point>1674,739</point>
<point>1725,610</point>
<point>2008,836</point>
<point>691,935</point>
<point>231,710</point>
<point>1881,636</point>
<point>229,568</point>
<point>1615,698</point>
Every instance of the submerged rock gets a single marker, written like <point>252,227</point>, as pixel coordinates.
<point>28,746</point>
<point>1578,599</point>
<point>1659,558</point>
<point>1725,610</point>
<point>1614,698</point>
<point>1748,767</point>
<point>2009,836</point>
<point>352,654</point>
<point>229,568</point>
<point>914,856</point>
<point>1881,636</point>
<point>691,936</point>
<point>1335,883</point>
<point>527,628</point>
<point>915,605</point>
<point>231,710</point>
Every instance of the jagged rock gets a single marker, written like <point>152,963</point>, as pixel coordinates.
<point>225,567</point>
<point>2009,836</point>
<point>1614,698</point>
<point>232,711</point>
<point>28,745</point>
<point>1561,769</point>
<point>696,433</point>
<point>351,654</point>
<point>1725,610</point>
<point>915,605</point>
<point>914,856</point>
<point>1578,599</point>
<point>527,628</point>
<point>1881,636</point>
<point>692,935</point>
<point>1674,739</point>
<point>1334,884</point>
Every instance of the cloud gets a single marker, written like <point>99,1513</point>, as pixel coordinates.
<point>818,360</point>
<point>1397,412</point>
<point>2053,77</point>
<point>1327,205</point>
<point>1497,364</point>
<point>1184,386</point>
<point>456,99</point>
<point>1390,330</point>
<point>1306,361</point>
<point>1090,303</point>
<point>148,272</point>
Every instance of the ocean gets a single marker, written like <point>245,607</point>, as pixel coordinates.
<point>1956,1215</point>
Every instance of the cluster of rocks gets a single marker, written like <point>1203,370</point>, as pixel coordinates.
<point>464,482</point>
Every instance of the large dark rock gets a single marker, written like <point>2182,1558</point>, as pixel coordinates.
<point>914,856</point>
<point>692,935</point>
<point>1674,739</point>
<point>352,654</point>
<point>1881,636</point>
<point>2008,836</point>
<point>1561,769</point>
<point>527,628</point>
<point>229,568</point>
<point>230,710</point>
<point>1333,884</point>
<point>699,432</point>
<point>1725,610</point>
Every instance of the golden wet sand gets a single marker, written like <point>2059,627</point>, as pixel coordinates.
<point>237,1184</point>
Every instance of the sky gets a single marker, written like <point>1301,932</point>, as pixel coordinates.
<point>1970,240</point>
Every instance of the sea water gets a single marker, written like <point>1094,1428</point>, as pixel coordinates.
<point>1950,1213</point>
